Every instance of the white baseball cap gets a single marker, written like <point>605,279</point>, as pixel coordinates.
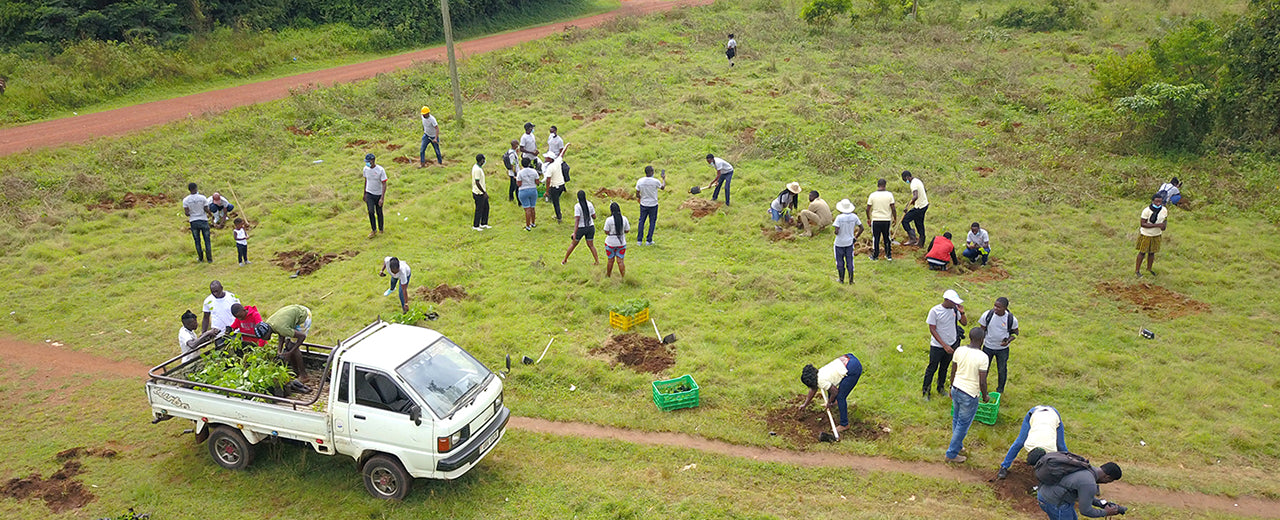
<point>952,295</point>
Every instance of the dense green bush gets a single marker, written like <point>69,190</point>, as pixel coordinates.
<point>1190,52</point>
<point>1056,15</point>
<point>1119,76</point>
<point>1250,83</point>
<point>1173,116</point>
<point>821,12</point>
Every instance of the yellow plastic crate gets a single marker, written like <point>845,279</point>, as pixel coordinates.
<point>624,322</point>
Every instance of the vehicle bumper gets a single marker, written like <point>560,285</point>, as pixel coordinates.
<point>477,448</point>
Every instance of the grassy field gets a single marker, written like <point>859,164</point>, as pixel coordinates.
<point>949,98</point>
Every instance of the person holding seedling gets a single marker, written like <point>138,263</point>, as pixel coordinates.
<point>400,275</point>
<point>836,379</point>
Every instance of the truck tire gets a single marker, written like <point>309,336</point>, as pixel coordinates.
<point>385,478</point>
<point>229,448</point>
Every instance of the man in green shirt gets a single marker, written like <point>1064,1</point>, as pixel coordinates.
<point>292,324</point>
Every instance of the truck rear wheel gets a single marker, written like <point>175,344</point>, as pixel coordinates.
<point>229,448</point>
<point>385,478</point>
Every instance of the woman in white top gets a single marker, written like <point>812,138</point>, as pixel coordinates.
<point>616,228</point>
<point>837,378</point>
<point>584,226</point>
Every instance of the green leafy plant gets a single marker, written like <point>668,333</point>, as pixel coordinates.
<point>630,307</point>
<point>1056,15</point>
<point>128,515</point>
<point>415,314</point>
<point>257,370</point>
<point>822,12</point>
<point>680,388</point>
<point>1118,76</point>
<point>1174,115</point>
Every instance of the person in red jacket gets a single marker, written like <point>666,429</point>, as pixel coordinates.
<point>941,250</point>
<point>246,318</point>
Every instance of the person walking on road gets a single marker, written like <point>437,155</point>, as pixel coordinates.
<point>527,181</point>
<point>375,192</point>
<point>1151,225</point>
<point>977,243</point>
<point>616,228</point>
<point>1002,329</point>
<point>968,385</point>
<point>837,378</point>
<point>196,208</point>
<point>528,147</point>
<point>816,216</point>
<point>1060,499</point>
<point>217,308</point>
<point>724,176</point>
<point>731,49</point>
<point>882,213</point>
<point>944,320</point>
<point>584,226</point>
<point>1041,428</point>
<point>480,195</point>
<point>848,228</point>
<point>400,276</point>
<point>915,210</point>
<point>511,161</point>
<point>647,193</point>
<point>430,135</point>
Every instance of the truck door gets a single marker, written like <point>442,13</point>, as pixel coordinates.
<point>380,420</point>
<point>340,410</point>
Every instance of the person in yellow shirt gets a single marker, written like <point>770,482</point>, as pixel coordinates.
<point>968,385</point>
<point>817,216</point>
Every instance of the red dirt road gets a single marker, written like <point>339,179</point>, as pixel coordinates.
<point>124,120</point>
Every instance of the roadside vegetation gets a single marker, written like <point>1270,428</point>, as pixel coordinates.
<point>1011,127</point>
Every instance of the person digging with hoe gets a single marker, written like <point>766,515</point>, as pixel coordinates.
<point>837,379</point>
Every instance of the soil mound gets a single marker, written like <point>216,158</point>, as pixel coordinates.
<point>394,147</point>
<point>1153,299</point>
<point>356,142</point>
<point>640,352</point>
<point>778,235</point>
<point>701,207</point>
<point>606,193</point>
<point>298,131</point>
<point>442,292</point>
<point>132,200</point>
<point>802,427</point>
<point>307,262</point>
<point>402,160</point>
<point>79,451</point>
<point>978,272</point>
<point>1018,489</point>
<point>59,491</point>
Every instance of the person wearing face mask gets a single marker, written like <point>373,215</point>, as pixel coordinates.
<point>1151,229</point>
<point>375,190</point>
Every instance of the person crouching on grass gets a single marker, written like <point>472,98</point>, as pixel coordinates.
<point>838,379</point>
<point>941,250</point>
<point>400,275</point>
<point>616,228</point>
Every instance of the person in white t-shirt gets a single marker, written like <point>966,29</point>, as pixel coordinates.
<point>555,144</point>
<point>400,275</point>
<point>1041,428</point>
<point>217,308</point>
<point>480,195</point>
<point>375,192</point>
<point>731,49</point>
<point>915,211</point>
<point>968,385</point>
<point>647,193</point>
<point>196,208</point>
<point>553,176</point>
<point>1172,191</point>
<point>835,379</point>
<point>430,135</point>
<point>977,243</point>
<point>1002,329</point>
<point>724,176</point>
<point>616,228</point>
<point>584,226</point>
<point>187,337</point>
<point>1151,225</point>
<point>241,235</point>
<point>848,228</point>
<point>528,147</point>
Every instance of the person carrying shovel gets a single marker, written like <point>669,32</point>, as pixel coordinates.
<point>835,380</point>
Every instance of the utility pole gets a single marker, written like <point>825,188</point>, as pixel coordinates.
<point>453,62</point>
<point>915,11</point>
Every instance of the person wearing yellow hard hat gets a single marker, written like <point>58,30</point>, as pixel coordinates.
<point>430,134</point>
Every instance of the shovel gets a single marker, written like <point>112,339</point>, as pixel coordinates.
<point>669,339</point>
<point>698,189</point>
<point>530,361</point>
<point>835,435</point>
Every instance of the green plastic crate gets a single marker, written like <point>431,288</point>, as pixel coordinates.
<point>987,411</point>
<point>676,401</point>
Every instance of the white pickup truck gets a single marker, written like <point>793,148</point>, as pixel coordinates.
<point>408,403</point>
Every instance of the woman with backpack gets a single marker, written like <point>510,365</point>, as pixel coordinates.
<point>584,226</point>
<point>616,228</point>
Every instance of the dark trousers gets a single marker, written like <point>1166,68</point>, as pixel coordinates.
<point>850,380</point>
<point>422,150</point>
<point>511,189</point>
<point>375,210</point>
<point>880,231</point>
<point>481,217</point>
<point>1001,357</point>
<point>973,254</point>
<point>554,194</point>
<point>915,215</point>
<point>200,229</point>
<point>939,361</point>
<point>844,261</point>
<point>725,180</point>
<point>649,213</point>
<point>242,253</point>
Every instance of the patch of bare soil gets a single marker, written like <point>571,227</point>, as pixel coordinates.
<point>307,262</point>
<point>442,292</point>
<point>802,427</point>
<point>977,272</point>
<point>701,207</point>
<point>80,451</point>
<point>60,492</point>
<point>298,131</point>
<point>132,200</point>
<point>394,147</point>
<point>402,160</point>
<point>777,235</point>
<point>639,351</point>
<point>1018,489</point>
<point>606,193</point>
<point>356,142</point>
<point>1153,299</point>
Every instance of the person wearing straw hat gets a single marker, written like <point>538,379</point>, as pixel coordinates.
<point>944,322</point>
<point>786,201</point>
<point>848,228</point>
<point>430,134</point>
<point>816,216</point>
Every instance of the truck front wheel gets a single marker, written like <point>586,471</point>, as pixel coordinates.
<point>385,478</point>
<point>229,448</point>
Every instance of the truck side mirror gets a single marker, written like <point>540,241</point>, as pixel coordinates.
<point>415,415</point>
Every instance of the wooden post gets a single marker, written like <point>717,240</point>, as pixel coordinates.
<point>453,62</point>
<point>915,8</point>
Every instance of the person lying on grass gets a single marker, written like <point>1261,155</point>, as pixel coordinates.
<point>838,379</point>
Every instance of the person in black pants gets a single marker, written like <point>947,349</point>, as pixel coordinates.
<point>510,160</point>
<point>196,207</point>
<point>882,212</point>
<point>480,193</point>
<point>944,322</point>
<point>915,211</point>
<point>375,191</point>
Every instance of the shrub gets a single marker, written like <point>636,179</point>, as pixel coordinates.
<point>1189,53</point>
<point>1118,76</point>
<point>1057,15</point>
<point>821,12</point>
<point>1173,116</point>
<point>1251,79</point>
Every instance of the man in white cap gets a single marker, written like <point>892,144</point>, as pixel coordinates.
<point>848,228</point>
<point>782,205</point>
<point>816,216</point>
<point>430,134</point>
<point>944,322</point>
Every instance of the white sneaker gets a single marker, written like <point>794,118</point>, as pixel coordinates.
<point>650,243</point>
<point>241,264</point>
<point>388,293</point>
<point>478,228</point>
<point>486,226</point>
<point>247,262</point>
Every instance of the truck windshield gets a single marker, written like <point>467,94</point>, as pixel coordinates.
<point>443,374</point>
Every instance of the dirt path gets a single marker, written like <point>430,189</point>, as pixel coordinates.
<point>124,120</point>
<point>1120,492</point>
<point>53,363</point>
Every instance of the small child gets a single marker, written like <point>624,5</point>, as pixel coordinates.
<point>242,242</point>
<point>731,49</point>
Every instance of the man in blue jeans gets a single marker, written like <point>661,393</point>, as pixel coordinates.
<point>724,176</point>
<point>838,379</point>
<point>196,208</point>
<point>647,193</point>
<point>430,135</point>
<point>968,384</point>
<point>1041,428</point>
